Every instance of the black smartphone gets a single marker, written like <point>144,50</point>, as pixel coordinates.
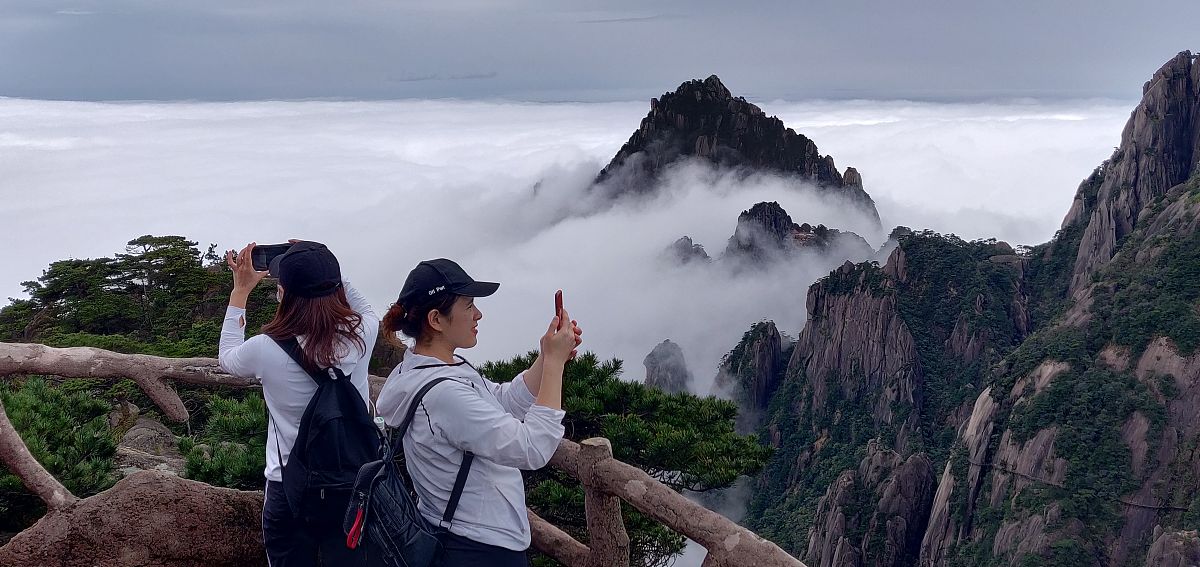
<point>557,303</point>
<point>262,255</point>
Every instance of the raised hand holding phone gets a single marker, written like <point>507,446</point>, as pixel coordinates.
<point>558,311</point>
<point>245,277</point>
<point>262,254</point>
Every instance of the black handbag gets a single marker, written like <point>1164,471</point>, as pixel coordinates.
<point>382,516</point>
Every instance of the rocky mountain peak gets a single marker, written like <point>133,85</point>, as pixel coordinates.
<point>1160,149</point>
<point>752,370</point>
<point>765,230</point>
<point>703,120</point>
<point>685,250</point>
<point>666,368</point>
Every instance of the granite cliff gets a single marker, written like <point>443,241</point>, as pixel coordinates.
<point>965,403</point>
<point>666,368</point>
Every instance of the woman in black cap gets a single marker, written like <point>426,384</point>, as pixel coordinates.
<point>336,328</point>
<point>468,424</point>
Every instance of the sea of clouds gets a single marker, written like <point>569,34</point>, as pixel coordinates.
<point>502,188</point>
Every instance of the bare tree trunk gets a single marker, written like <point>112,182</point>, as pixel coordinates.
<point>150,372</point>
<point>17,458</point>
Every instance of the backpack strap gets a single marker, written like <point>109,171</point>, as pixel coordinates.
<point>292,348</point>
<point>460,482</point>
<point>464,469</point>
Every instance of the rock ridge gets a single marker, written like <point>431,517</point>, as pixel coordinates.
<point>702,120</point>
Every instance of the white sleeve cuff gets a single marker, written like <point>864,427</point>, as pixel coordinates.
<point>520,391</point>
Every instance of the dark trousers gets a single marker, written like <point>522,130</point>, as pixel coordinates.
<point>458,551</point>
<point>299,542</point>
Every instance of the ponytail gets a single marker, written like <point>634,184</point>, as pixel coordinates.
<point>413,321</point>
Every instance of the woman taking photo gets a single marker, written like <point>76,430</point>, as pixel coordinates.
<point>335,329</point>
<point>470,425</point>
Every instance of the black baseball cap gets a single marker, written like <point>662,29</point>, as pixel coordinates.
<point>307,269</point>
<point>433,278</point>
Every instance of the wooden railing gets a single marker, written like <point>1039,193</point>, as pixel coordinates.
<point>606,481</point>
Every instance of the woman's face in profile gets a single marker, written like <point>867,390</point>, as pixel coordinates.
<point>463,328</point>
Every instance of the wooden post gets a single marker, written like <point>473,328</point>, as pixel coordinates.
<point>728,542</point>
<point>607,537</point>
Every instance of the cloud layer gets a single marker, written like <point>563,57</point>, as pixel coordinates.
<point>501,187</point>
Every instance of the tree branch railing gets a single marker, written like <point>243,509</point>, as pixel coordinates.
<point>606,481</point>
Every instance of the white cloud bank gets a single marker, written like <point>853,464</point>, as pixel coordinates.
<point>387,184</point>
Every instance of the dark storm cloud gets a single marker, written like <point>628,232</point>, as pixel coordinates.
<point>547,50</point>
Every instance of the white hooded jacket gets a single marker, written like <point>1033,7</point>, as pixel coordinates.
<point>499,423</point>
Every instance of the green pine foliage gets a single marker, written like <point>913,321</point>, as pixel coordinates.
<point>1088,409</point>
<point>161,296</point>
<point>1158,297</point>
<point>950,280</point>
<point>68,432</point>
<point>230,450</point>
<point>682,440</point>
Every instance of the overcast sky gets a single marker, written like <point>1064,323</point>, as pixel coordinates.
<point>551,50</point>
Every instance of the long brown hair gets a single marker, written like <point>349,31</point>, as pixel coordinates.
<point>321,320</point>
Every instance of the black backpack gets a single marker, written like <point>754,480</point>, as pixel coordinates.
<point>384,510</point>
<point>336,437</point>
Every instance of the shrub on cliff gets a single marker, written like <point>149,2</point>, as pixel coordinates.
<point>230,450</point>
<point>68,432</point>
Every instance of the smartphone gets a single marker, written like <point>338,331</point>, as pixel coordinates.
<point>557,302</point>
<point>262,255</point>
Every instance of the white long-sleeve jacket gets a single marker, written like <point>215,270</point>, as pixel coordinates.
<point>499,423</point>
<point>287,388</point>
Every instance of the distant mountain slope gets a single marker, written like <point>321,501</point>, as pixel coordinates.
<point>968,404</point>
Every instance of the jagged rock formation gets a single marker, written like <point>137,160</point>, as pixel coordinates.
<point>766,236</point>
<point>857,343</point>
<point>685,251</point>
<point>1055,392</point>
<point>875,515</point>
<point>765,232</point>
<point>871,364</point>
<point>702,120</point>
<point>1159,149</point>
<point>751,372</point>
<point>666,368</point>
<point>1174,549</point>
